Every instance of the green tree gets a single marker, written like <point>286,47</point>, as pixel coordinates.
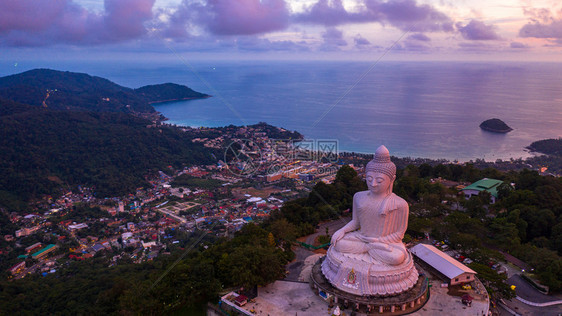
<point>441,171</point>
<point>476,204</point>
<point>504,190</point>
<point>418,226</point>
<point>494,282</point>
<point>270,240</point>
<point>249,266</point>
<point>504,233</point>
<point>425,170</point>
<point>556,237</point>
<point>345,175</point>
<point>283,229</point>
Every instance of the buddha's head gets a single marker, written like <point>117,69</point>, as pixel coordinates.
<point>380,172</point>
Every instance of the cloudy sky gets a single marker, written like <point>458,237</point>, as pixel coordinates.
<point>288,29</point>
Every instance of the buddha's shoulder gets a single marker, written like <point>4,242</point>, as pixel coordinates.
<point>363,196</point>
<point>399,202</point>
<point>360,194</point>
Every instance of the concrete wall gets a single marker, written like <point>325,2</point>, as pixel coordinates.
<point>469,193</point>
<point>463,278</point>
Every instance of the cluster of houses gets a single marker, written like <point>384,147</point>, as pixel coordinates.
<point>141,222</point>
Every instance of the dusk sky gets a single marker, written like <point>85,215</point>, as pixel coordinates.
<point>281,29</point>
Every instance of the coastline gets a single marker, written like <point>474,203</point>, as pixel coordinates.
<point>436,121</point>
<point>499,131</point>
<point>524,155</point>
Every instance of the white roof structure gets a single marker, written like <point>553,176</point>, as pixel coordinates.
<point>440,261</point>
<point>254,199</point>
<point>77,226</point>
<point>148,244</point>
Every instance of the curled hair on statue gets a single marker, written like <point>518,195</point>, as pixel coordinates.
<point>381,163</point>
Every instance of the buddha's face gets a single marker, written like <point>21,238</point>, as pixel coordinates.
<point>378,183</point>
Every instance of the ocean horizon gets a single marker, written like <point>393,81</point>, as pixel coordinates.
<point>417,109</point>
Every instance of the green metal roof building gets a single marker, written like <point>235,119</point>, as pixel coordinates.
<point>488,185</point>
<point>43,252</point>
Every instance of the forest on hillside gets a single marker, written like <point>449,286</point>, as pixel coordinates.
<point>41,149</point>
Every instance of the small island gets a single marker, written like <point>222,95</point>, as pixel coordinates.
<point>495,126</point>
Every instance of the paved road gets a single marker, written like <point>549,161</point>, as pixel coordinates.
<point>510,269</point>
<point>526,310</point>
<point>301,253</point>
<point>295,267</point>
<point>526,291</point>
<point>333,226</point>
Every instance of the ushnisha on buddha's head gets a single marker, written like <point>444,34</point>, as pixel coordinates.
<point>380,172</point>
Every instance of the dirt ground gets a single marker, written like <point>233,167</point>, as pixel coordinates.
<point>263,193</point>
<point>176,208</point>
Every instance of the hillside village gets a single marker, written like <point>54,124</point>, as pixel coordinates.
<point>256,175</point>
<point>218,199</point>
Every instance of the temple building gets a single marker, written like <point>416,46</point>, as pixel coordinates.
<point>447,266</point>
<point>488,185</point>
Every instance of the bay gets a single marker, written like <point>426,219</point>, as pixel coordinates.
<point>417,109</point>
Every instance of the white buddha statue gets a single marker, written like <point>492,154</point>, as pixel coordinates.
<point>367,256</point>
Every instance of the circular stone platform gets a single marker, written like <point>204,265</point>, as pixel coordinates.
<point>400,304</point>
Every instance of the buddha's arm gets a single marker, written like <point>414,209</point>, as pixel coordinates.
<point>399,225</point>
<point>354,223</point>
<point>351,226</point>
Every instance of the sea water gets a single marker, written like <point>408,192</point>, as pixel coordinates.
<point>417,109</point>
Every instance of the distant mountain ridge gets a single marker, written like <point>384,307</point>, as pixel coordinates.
<point>64,90</point>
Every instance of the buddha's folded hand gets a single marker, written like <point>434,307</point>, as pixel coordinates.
<point>337,236</point>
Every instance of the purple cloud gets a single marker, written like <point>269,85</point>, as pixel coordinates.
<point>518,45</point>
<point>245,17</point>
<point>540,30</point>
<point>250,43</point>
<point>360,41</point>
<point>333,39</point>
<point>329,13</point>
<point>408,15</point>
<point>477,47</point>
<point>124,18</point>
<point>41,23</point>
<point>403,14</point>
<point>411,46</point>
<point>477,30</point>
<point>540,15</point>
<point>419,37</point>
<point>233,17</point>
<point>542,24</point>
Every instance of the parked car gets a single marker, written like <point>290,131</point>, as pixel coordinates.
<point>460,258</point>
